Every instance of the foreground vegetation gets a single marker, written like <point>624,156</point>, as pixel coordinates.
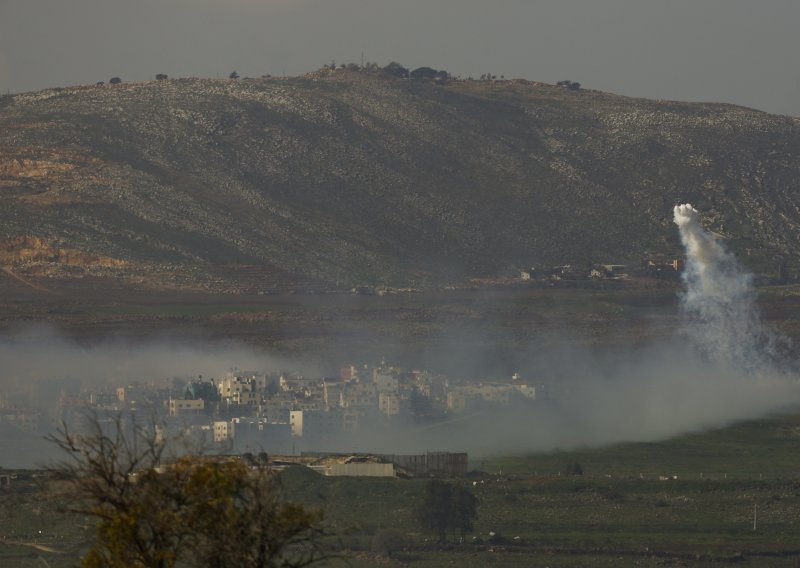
<point>717,497</point>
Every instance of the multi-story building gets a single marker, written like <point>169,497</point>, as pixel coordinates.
<point>178,407</point>
<point>389,404</point>
<point>223,431</point>
<point>333,393</point>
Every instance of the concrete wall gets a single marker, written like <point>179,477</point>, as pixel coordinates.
<point>362,469</point>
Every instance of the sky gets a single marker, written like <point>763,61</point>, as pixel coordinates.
<point>735,51</point>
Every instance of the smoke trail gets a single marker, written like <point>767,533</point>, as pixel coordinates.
<point>719,302</point>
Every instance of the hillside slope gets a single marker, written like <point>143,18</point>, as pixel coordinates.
<point>342,178</point>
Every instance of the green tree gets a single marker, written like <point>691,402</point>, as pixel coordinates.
<point>464,510</point>
<point>394,68</point>
<point>237,518</point>
<point>446,506</point>
<point>421,73</point>
<point>433,513</point>
<point>154,512</point>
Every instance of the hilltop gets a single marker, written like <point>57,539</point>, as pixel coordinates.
<point>341,178</point>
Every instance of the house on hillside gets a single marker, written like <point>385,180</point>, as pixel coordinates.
<point>669,270</point>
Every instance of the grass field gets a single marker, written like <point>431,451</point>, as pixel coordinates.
<point>689,500</point>
<point>620,512</point>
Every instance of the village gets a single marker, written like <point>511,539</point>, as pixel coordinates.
<point>306,420</point>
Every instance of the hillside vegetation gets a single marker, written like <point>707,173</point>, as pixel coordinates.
<point>340,178</point>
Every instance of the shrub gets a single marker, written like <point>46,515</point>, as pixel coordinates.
<point>421,73</point>
<point>397,70</point>
<point>386,542</point>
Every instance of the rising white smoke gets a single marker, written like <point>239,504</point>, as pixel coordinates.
<point>646,393</point>
<point>718,304</point>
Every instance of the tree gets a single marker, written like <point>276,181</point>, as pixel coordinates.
<point>109,469</point>
<point>115,80</point>
<point>465,510</point>
<point>446,506</point>
<point>434,512</point>
<point>161,77</point>
<point>394,68</point>
<point>155,512</point>
<point>237,518</point>
<point>233,75</point>
<point>571,85</point>
<point>424,73</point>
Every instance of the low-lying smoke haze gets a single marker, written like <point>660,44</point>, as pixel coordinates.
<point>724,367</point>
<point>721,368</point>
<point>40,353</point>
<point>39,364</point>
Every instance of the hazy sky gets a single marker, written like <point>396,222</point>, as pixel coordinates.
<point>738,51</point>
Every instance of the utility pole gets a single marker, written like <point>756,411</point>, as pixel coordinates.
<point>755,517</point>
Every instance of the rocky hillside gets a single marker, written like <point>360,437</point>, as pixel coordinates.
<point>345,178</point>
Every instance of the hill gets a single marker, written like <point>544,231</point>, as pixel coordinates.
<point>340,178</point>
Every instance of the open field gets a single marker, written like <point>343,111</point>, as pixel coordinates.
<point>491,329</point>
<point>620,512</point>
<point>483,331</point>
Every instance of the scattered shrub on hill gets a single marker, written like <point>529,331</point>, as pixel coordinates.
<point>115,80</point>
<point>424,73</point>
<point>571,85</point>
<point>574,469</point>
<point>386,542</point>
<point>610,493</point>
<point>498,539</point>
<point>394,68</point>
<point>161,77</point>
<point>233,75</point>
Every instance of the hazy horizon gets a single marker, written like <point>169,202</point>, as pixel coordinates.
<point>713,50</point>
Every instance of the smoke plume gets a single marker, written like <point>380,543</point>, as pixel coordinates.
<point>718,304</point>
<point>724,366</point>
